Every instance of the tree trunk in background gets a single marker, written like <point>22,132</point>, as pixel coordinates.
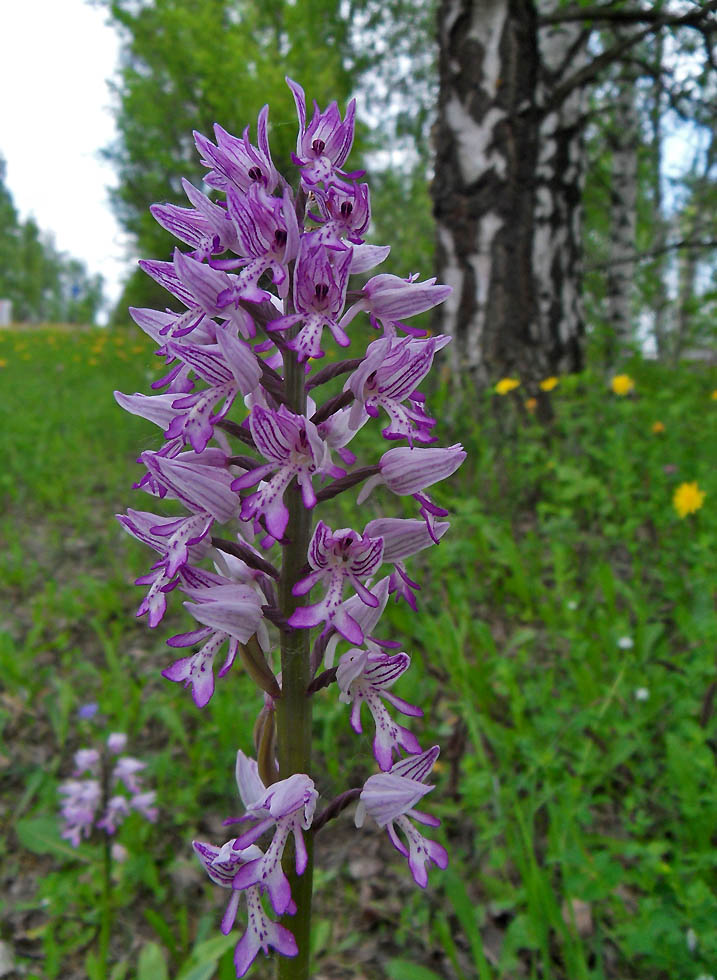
<point>623,215</point>
<point>560,180</point>
<point>507,193</point>
<point>658,268</point>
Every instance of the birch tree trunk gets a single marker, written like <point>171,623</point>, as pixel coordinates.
<point>507,193</point>
<point>558,208</point>
<point>623,215</point>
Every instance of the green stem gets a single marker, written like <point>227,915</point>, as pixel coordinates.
<point>106,920</point>
<point>293,709</point>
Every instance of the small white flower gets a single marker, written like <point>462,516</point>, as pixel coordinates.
<point>572,605</point>
<point>691,939</point>
<point>642,693</point>
<point>626,643</point>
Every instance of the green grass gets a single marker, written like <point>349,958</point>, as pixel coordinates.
<point>577,778</point>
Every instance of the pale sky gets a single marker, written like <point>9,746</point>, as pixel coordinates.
<point>56,57</point>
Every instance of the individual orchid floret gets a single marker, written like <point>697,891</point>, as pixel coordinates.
<point>115,813</point>
<point>365,677</point>
<point>222,865</point>
<point>268,237</point>
<point>407,471</point>
<point>323,145</point>
<point>143,803</point>
<point>235,162</point>
<point>320,281</point>
<point>288,806</point>
<point>388,299</point>
<point>206,227</point>
<point>82,798</point>
<point>345,213</point>
<point>116,742</point>
<point>126,771</point>
<point>294,448</point>
<point>390,798</point>
<point>177,540</point>
<point>192,479</point>
<point>401,539</point>
<point>388,377</point>
<point>87,760</point>
<point>338,557</point>
<point>197,669</point>
<point>189,226</point>
<point>229,367</point>
<point>198,285</point>
<point>229,614</point>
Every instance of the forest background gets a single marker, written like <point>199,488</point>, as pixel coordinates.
<point>522,152</point>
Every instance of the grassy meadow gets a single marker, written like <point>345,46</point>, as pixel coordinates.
<point>564,653</point>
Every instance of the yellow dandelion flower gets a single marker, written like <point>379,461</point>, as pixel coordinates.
<point>549,383</point>
<point>714,395</point>
<point>622,384</point>
<point>658,427</point>
<point>3,362</point>
<point>505,385</point>
<point>531,404</point>
<point>688,498</point>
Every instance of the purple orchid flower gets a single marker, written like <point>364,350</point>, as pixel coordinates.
<point>268,236</point>
<point>364,678</point>
<point>338,557</point>
<point>407,471</point>
<point>178,540</point>
<point>320,282</point>
<point>390,798</point>
<point>199,286</point>
<point>389,376</point>
<point>323,145</point>
<point>287,806</point>
<point>222,865</point>
<point>229,613</point>
<point>401,539</point>
<point>82,798</point>
<point>345,213</point>
<point>116,742</point>
<point>388,299</point>
<point>295,449</point>
<point>236,162</point>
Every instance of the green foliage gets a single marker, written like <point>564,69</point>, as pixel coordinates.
<point>577,778</point>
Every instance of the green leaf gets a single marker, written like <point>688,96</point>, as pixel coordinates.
<point>203,972</point>
<point>151,964</point>
<point>202,963</point>
<point>41,836</point>
<point>404,970</point>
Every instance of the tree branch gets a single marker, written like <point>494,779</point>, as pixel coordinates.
<point>655,20</point>
<point>653,253</point>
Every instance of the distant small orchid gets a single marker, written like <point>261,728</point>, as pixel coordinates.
<point>86,803</point>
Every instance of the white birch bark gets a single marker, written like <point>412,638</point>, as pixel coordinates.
<point>507,191</point>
